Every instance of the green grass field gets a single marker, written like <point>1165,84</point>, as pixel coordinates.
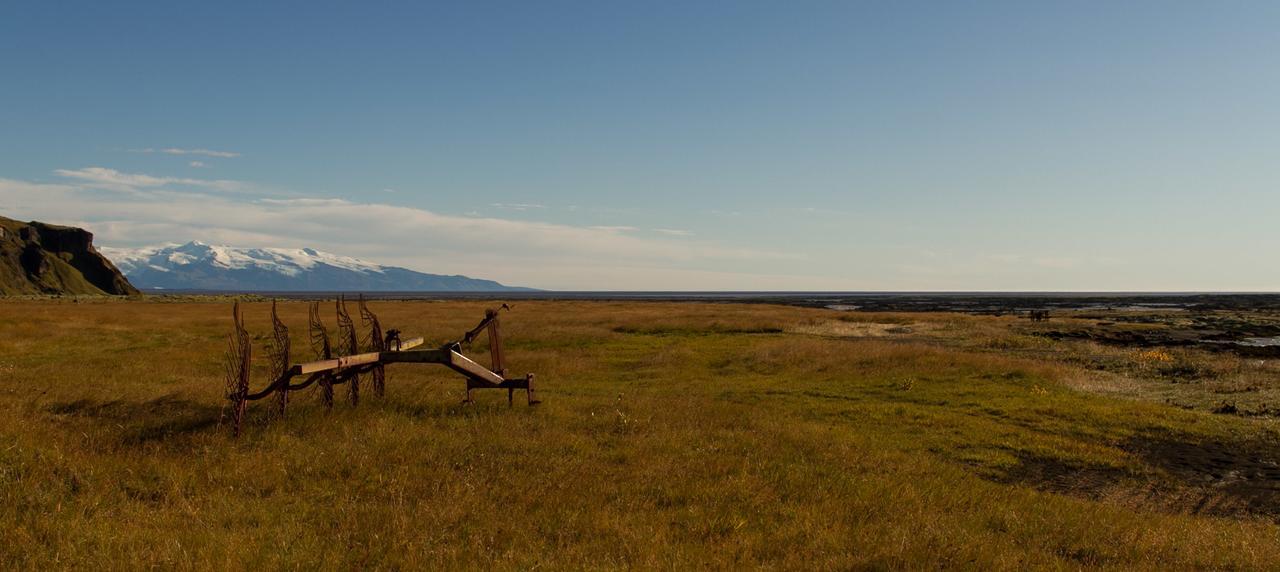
<point>671,435</point>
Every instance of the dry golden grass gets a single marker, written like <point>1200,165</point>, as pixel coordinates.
<point>672,436</point>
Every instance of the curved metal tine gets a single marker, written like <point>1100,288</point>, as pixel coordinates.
<point>278,352</point>
<point>323,350</point>
<point>348,344</point>
<point>236,365</point>
<point>374,343</point>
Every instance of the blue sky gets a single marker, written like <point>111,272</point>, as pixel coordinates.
<point>673,146</point>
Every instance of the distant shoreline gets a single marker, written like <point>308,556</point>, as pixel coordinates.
<point>970,302</point>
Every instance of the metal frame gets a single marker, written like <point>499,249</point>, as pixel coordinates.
<point>327,370</point>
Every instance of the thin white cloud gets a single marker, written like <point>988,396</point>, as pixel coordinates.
<point>517,206</point>
<point>180,151</point>
<point>673,232</point>
<point>1060,262</point>
<point>818,210</point>
<point>14,189</point>
<point>198,164</point>
<point>535,239</point>
<point>615,228</point>
<point>112,179</point>
<point>1004,258</point>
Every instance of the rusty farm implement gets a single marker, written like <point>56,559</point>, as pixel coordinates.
<point>348,359</point>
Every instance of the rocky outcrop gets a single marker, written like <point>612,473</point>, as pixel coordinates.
<point>39,258</point>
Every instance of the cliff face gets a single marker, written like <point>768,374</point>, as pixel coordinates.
<point>39,258</point>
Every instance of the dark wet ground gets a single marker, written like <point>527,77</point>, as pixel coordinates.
<point>1178,474</point>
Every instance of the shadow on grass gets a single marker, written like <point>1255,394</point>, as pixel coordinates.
<point>1061,476</point>
<point>146,421</point>
<point>453,409</point>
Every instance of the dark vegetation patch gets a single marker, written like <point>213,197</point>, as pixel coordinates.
<point>998,304</point>
<point>881,319</point>
<point>1232,408</point>
<point>1163,338</point>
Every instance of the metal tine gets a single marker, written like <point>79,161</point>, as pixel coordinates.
<point>278,352</point>
<point>374,343</point>
<point>348,344</point>
<point>238,359</point>
<point>324,350</point>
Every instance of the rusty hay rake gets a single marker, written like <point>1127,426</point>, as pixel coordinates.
<point>348,359</point>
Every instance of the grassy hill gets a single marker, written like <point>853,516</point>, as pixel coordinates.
<point>671,436</point>
<point>39,258</point>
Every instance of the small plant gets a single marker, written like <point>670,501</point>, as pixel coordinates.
<point>621,423</point>
<point>1154,356</point>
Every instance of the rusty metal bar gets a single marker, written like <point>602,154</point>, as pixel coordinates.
<point>352,360</point>
<point>407,345</point>
<point>418,356</point>
<point>489,316</point>
<point>336,363</point>
<point>495,346</point>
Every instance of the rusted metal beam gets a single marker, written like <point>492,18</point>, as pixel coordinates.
<point>495,347</point>
<point>335,363</point>
<point>447,356</point>
<point>504,384</point>
<point>418,356</point>
<point>350,361</point>
<point>489,316</point>
<point>510,384</point>
<point>408,344</point>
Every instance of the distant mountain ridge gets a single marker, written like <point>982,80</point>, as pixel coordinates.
<point>41,258</point>
<point>199,266</point>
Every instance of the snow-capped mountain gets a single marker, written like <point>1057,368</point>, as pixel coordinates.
<point>200,266</point>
